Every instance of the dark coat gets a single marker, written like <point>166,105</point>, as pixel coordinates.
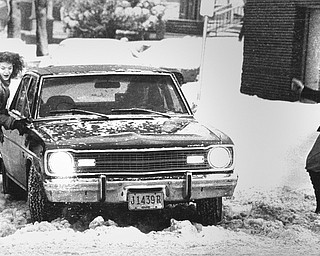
<point>5,120</point>
<point>313,158</point>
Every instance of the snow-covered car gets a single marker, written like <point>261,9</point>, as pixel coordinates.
<point>85,51</point>
<point>114,135</point>
<point>183,54</point>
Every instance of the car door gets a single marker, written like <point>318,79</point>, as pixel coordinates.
<point>14,145</point>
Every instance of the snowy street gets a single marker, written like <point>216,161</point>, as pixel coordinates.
<point>272,209</point>
<point>272,137</point>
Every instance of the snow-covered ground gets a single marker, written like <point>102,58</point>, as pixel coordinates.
<point>271,212</point>
<point>272,137</point>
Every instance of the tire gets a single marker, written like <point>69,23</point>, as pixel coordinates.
<point>37,198</point>
<point>210,210</point>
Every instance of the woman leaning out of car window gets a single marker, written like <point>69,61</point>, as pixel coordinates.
<point>11,64</point>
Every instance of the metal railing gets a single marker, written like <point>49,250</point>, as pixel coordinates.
<point>225,18</point>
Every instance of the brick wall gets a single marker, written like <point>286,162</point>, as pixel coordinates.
<point>273,46</point>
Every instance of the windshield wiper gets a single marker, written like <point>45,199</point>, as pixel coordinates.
<point>139,110</point>
<point>78,111</point>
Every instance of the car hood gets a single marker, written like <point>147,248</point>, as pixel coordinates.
<point>140,133</point>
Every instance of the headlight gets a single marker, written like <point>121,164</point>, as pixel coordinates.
<point>61,163</point>
<point>219,157</point>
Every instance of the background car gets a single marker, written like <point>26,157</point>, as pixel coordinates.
<point>183,55</point>
<point>104,134</point>
<point>75,51</point>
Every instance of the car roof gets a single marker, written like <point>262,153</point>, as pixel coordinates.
<point>85,69</point>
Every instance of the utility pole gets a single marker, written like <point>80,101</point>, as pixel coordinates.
<point>206,10</point>
<point>4,14</point>
<point>41,27</point>
<point>14,23</point>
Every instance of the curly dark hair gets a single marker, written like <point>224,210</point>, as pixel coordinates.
<point>15,59</point>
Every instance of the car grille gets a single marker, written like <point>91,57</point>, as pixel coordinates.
<point>139,162</point>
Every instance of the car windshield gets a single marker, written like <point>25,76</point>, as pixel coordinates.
<point>110,94</point>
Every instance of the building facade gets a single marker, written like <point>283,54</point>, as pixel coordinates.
<point>281,41</point>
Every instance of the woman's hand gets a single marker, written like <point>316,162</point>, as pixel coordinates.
<point>22,125</point>
<point>297,86</point>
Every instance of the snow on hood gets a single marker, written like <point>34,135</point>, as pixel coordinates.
<point>158,130</point>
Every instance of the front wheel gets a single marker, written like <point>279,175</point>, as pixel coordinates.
<point>210,210</point>
<point>37,198</point>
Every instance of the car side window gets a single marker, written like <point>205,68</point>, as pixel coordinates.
<point>31,97</point>
<point>24,99</point>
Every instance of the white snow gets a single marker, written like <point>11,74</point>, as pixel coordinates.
<point>271,212</point>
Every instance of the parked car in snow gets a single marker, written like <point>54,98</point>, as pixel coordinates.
<point>183,54</point>
<point>114,135</point>
<point>75,51</point>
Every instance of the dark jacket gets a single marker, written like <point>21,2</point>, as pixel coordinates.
<point>313,163</point>
<point>313,158</point>
<point>5,120</point>
<point>310,94</point>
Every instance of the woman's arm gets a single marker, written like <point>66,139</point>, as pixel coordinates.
<point>305,92</point>
<point>6,121</point>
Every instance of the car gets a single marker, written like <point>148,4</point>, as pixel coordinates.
<point>87,51</point>
<point>183,54</point>
<point>114,135</point>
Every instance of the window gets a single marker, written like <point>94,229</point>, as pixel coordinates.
<point>104,93</point>
<point>24,101</point>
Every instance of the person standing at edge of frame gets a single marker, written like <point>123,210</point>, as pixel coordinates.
<point>313,158</point>
<point>11,64</point>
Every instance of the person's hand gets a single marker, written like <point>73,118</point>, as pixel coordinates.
<point>296,86</point>
<point>21,125</point>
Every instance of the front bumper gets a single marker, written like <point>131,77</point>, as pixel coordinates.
<point>99,189</point>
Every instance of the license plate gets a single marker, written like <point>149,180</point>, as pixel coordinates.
<point>145,201</point>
